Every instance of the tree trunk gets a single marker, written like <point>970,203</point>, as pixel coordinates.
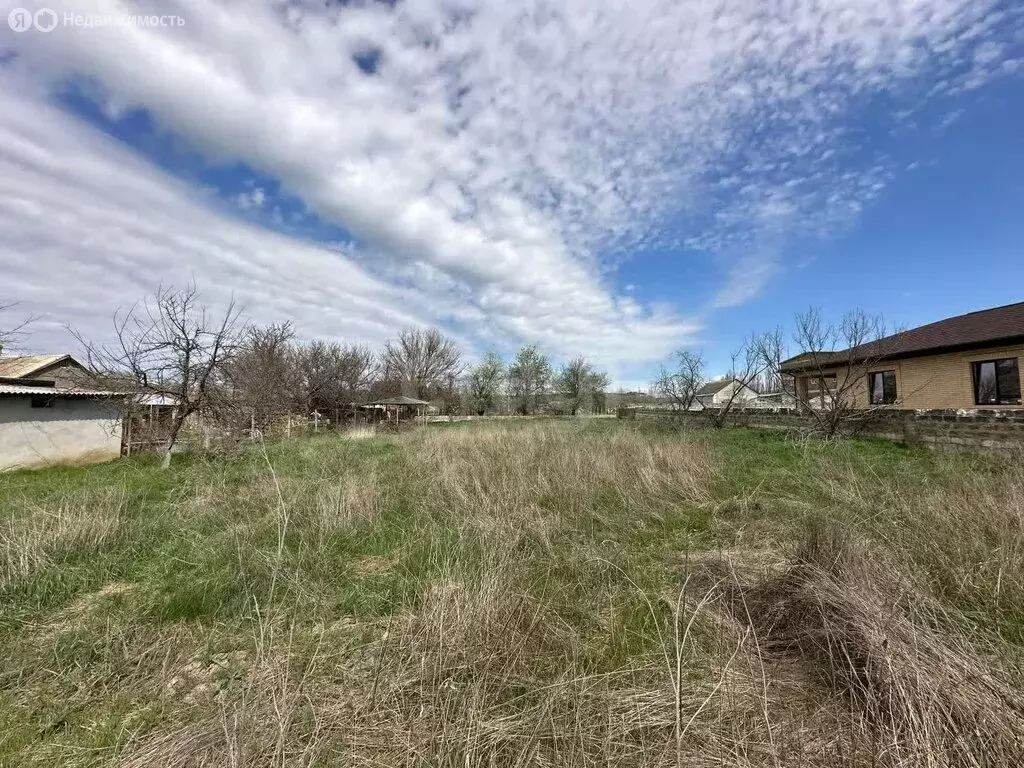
<point>172,438</point>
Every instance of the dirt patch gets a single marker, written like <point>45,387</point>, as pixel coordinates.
<point>201,679</point>
<point>374,565</point>
<point>86,605</point>
<point>92,600</point>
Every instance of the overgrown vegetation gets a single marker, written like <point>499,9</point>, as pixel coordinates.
<point>535,592</point>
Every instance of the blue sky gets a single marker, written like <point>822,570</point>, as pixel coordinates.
<point>945,236</point>
<point>601,178</point>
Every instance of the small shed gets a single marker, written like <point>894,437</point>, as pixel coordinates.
<point>399,408</point>
<point>147,421</point>
<point>42,425</point>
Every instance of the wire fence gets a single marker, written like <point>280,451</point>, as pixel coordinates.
<point>148,429</point>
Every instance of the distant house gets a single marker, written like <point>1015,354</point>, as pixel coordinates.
<point>968,361</point>
<point>42,424</point>
<point>715,394</point>
<point>774,400</point>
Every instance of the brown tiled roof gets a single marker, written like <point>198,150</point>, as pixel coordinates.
<point>17,367</point>
<point>985,328</point>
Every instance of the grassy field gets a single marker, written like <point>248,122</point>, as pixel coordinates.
<point>532,593</point>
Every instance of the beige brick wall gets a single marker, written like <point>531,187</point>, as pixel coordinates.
<point>938,381</point>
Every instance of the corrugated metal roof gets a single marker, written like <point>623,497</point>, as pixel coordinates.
<point>17,389</point>
<point>20,366</point>
<point>156,400</point>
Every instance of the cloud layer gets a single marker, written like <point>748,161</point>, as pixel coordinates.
<point>86,226</point>
<point>505,156</point>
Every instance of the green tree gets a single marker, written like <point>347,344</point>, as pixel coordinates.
<point>580,384</point>
<point>486,381</point>
<point>528,376</point>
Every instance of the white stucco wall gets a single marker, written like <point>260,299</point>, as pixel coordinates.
<point>721,397</point>
<point>73,430</point>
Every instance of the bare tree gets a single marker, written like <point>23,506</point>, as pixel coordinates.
<point>579,383</point>
<point>452,396</point>
<point>14,332</point>
<point>262,373</point>
<point>744,371</point>
<point>680,384</point>
<point>171,345</point>
<point>330,375</point>
<point>528,377</point>
<point>770,349</point>
<point>837,359</point>
<point>423,361</point>
<point>485,383</point>
<point>357,365</point>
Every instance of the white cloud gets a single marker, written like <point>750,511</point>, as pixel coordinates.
<point>503,152</point>
<point>87,226</point>
<point>746,279</point>
<point>254,198</point>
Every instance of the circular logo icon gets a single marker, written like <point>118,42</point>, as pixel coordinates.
<point>45,19</point>
<point>20,20</point>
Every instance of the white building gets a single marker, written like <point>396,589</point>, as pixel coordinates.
<point>41,426</point>
<point>715,394</point>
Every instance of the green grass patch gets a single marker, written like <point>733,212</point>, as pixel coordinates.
<point>499,558</point>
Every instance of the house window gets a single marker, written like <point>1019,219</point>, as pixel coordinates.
<point>996,382</point>
<point>42,401</point>
<point>883,387</point>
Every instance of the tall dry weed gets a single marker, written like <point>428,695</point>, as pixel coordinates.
<point>79,523</point>
<point>872,635</point>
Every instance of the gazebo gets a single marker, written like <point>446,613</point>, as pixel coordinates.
<point>402,407</point>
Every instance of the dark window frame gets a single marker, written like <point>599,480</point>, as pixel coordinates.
<point>886,399</point>
<point>42,401</point>
<point>999,398</point>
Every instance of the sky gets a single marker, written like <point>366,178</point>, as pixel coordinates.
<point>611,178</point>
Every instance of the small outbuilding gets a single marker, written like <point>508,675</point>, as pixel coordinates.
<point>397,409</point>
<point>724,391</point>
<point>42,425</point>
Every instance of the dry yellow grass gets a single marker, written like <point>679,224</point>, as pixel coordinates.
<point>50,532</point>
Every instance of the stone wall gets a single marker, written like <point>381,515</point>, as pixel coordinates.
<point>980,428</point>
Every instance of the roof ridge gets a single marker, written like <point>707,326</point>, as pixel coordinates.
<point>954,317</point>
<point>984,327</point>
<point>978,311</point>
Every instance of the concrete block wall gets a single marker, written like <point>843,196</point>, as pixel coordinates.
<point>934,428</point>
<point>71,430</point>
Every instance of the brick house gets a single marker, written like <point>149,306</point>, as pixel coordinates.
<point>970,361</point>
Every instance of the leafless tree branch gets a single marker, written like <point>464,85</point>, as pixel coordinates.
<point>173,346</point>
